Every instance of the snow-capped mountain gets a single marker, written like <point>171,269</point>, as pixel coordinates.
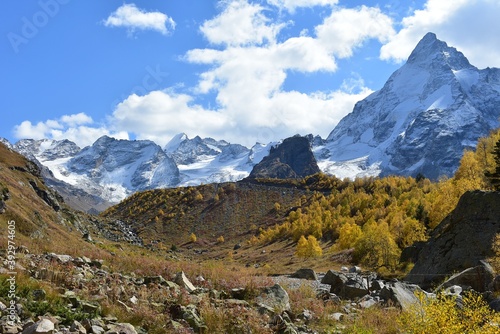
<point>112,169</point>
<point>429,111</point>
<point>46,149</point>
<point>115,168</point>
<point>208,160</point>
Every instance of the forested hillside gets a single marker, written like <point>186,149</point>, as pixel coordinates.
<point>377,217</point>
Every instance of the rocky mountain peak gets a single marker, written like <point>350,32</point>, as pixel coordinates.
<point>432,51</point>
<point>293,158</point>
<point>428,112</point>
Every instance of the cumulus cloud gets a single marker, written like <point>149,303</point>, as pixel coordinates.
<point>245,73</point>
<point>69,127</point>
<point>133,18</point>
<point>463,24</point>
<point>240,23</point>
<point>160,115</point>
<point>348,28</point>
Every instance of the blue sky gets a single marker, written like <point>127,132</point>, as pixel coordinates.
<point>240,70</point>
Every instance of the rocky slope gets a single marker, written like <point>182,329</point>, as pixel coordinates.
<point>429,111</point>
<point>462,240</point>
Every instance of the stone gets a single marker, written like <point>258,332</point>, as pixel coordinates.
<point>401,294</point>
<point>334,278</point>
<point>44,326</point>
<point>39,294</point>
<point>61,258</point>
<point>305,273</point>
<point>337,316</point>
<point>274,297</point>
<point>355,270</point>
<point>154,280</point>
<point>355,287</point>
<point>495,305</point>
<point>184,282</point>
<point>121,328</point>
<point>454,290</point>
<point>367,302</point>
<point>77,327</point>
<point>96,329</point>
<point>190,314</point>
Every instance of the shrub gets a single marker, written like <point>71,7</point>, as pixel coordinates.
<point>443,315</point>
<point>193,237</point>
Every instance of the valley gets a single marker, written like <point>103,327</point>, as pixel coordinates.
<point>361,232</point>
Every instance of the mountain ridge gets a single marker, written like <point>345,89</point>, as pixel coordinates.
<point>428,112</point>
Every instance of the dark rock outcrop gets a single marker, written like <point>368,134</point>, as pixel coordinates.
<point>462,240</point>
<point>290,160</point>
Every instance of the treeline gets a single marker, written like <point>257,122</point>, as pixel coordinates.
<point>379,217</point>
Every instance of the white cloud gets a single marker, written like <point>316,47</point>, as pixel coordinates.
<point>76,119</point>
<point>291,5</point>
<point>348,28</point>
<point>468,25</point>
<point>67,127</point>
<point>240,23</point>
<point>160,115</point>
<point>133,18</point>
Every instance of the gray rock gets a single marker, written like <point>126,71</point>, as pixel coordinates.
<point>96,329</point>
<point>495,305</point>
<point>401,294</point>
<point>337,316</point>
<point>274,297</point>
<point>44,326</point>
<point>461,241</point>
<point>334,278</point>
<point>478,278</point>
<point>454,290</point>
<point>184,282</point>
<point>121,328</point>
<point>190,314</point>
<point>39,294</point>
<point>78,327</point>
<point>154,280</point>
<point>305,273</point>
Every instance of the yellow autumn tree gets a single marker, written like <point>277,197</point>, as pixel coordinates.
<point>193,237</point>
<point>308,247</point>
<point>349,234</point>
<point>376,247</point>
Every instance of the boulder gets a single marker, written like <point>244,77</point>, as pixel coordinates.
<point>478,278</point>
<point>305,273</point>
<point>401,294</point>
<point>44,326</point>
<point>274,297</point>
<point>461,241</point>
<point>190,314</point>
<point>334,278</point>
